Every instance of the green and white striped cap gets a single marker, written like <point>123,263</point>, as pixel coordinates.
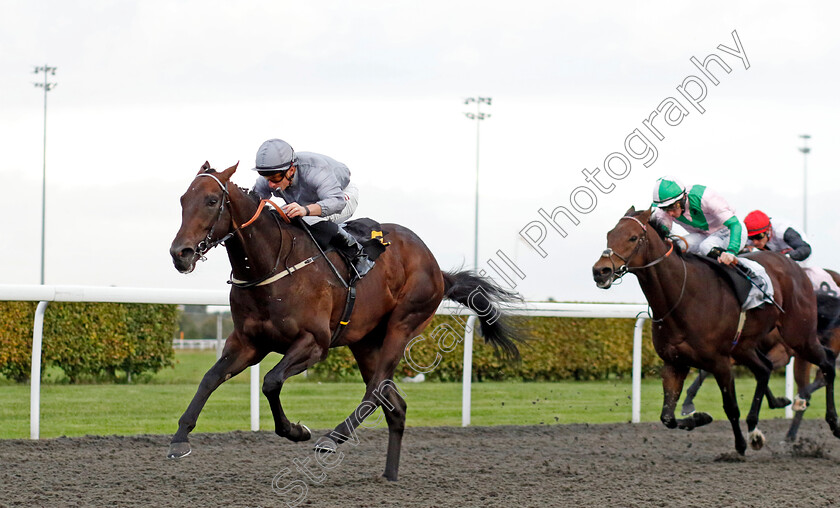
<point>668,190</point>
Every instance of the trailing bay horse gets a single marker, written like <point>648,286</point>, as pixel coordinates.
<point>828,327</point>
<point>286,299</point>
<point>695,317</point>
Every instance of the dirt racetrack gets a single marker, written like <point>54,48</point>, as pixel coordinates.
<point>558,465</point>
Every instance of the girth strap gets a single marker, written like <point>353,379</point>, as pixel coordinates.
<point>274,278</point>
<point>345,316</point>
<point>741,319</point>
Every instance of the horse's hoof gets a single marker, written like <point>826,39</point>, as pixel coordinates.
<point>686,424</point>
<point>799,404</point>
<point>325,445</point>
<point>701,419</point>
<point>757,439</point>
<point>688,409</point>
<point>306,434</point>
<point>781,402</point>
<point>178,450</point>
<point>837,432</point>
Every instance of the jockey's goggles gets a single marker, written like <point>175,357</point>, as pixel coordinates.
<point>758,237</point>
<point>270,173</point>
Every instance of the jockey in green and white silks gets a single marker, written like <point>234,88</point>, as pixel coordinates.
<point>703,213</point>
<point>713,229</point>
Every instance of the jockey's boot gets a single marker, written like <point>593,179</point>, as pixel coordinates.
<point>760,283</point>
<point>347,245</point>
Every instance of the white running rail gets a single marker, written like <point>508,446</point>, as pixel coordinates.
<point>46,294</point>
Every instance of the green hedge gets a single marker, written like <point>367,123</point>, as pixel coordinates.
<point>89,340</point>
<point>562,348</point>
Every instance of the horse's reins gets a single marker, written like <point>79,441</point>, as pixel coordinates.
<point>208,243</point>
<point>622,270</point>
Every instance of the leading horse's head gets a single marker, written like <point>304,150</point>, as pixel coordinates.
<point>205,217</point>
<point>624,244</point>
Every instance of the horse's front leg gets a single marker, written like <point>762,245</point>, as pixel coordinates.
<point>673,378</point>
<point>802,375</point>
<point>723,376</point>
<point>760,366</point>
<point>235,358</point>
<point>302,354</point>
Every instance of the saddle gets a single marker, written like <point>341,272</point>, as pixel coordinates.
<point>737,281</point>
<point>370,236</point>
<point>366,231</point>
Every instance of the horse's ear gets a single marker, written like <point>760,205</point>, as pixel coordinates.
<point>230,171</point>
<point>630,211</point>
<point>645,216</point>
<point>204,167</point>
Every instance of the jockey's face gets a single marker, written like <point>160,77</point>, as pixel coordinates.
<point>674,210</point>
<point>761,240</point>
<point>281,180</point>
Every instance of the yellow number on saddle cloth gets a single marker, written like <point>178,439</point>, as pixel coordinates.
<point>377,235</point>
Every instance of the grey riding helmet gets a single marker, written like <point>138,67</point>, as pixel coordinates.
<point>273,156</point>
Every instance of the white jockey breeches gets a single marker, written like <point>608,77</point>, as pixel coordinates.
<point>351,198</point>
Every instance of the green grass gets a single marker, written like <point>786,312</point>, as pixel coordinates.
<point>155,405</point>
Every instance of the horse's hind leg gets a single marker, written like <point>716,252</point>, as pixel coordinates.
<point>392,404</point>
<point>302,354</point>
<point>691,392</point>
<point>824,358</point>
<point>235,358</point>
<point>827,369</point>
<point>381,390</point>
<point>802,374</point>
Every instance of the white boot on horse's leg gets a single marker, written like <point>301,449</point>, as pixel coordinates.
<point>757,439</point>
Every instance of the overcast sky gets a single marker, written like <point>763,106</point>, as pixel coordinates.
<point>147,91</point>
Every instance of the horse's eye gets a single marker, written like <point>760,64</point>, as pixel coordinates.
<point>634,238</point>
<point>211,201</point>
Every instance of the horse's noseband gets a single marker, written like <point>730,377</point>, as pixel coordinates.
<point>621,270</point>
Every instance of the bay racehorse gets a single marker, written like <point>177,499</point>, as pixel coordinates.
<point>695,318</point>
<point>296,314</point>
<point>779,355</point>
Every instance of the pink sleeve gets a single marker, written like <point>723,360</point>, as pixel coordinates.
<point>716,209</point>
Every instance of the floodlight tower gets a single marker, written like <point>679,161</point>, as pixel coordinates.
<point>478,116</point>
<point>47,86</point>
<point>805,151</point>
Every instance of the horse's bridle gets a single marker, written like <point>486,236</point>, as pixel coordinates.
<point>208,243</point>
<point>622,270</point>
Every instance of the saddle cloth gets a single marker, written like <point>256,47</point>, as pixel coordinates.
<point>747,294</point>
<point>369,234</point>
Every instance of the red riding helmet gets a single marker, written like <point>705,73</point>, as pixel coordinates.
<point>757,222</point>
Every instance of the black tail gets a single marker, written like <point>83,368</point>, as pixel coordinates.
<point>483,296</point>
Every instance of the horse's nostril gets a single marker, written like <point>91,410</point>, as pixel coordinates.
<point>182,253</point>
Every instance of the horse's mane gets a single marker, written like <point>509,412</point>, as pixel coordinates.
<point>251,193</point>
<point>663,232</point>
